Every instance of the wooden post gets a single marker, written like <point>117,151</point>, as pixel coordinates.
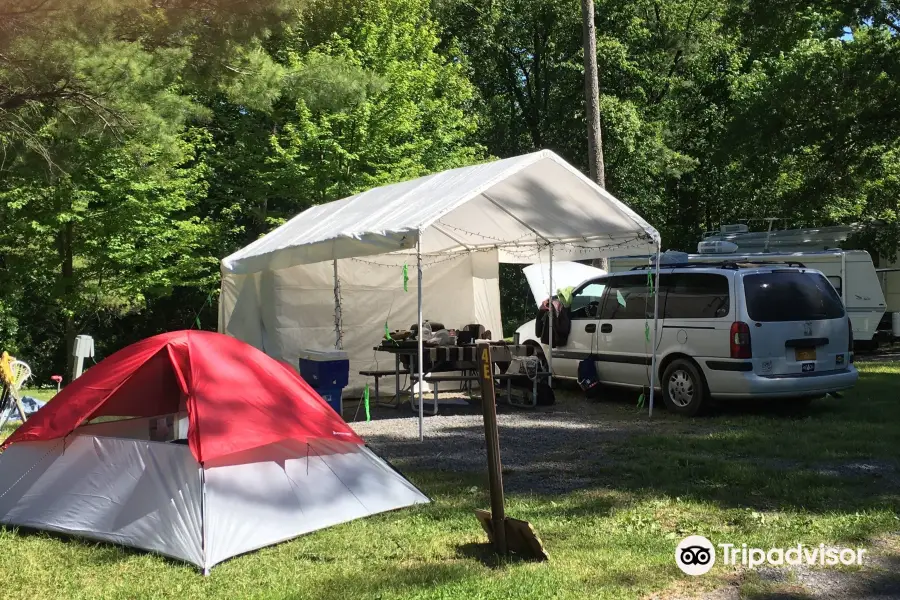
<point>492,439</point>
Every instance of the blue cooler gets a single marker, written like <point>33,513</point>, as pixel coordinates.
<point>333,397</point>
<point>328,372</point>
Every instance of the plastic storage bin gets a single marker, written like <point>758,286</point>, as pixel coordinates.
<point>325,368</point>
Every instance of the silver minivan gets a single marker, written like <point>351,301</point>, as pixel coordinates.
<point>727,330</point>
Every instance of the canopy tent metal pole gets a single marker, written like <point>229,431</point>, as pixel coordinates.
<point>550,338</point>
<point>655,326</point>
<point>420,338</point>
<point>338,318</point>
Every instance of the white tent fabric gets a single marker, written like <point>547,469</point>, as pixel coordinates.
<point>155,496</point>
<point>518,205</point>
<point>565,274</point>
<point>278,293</point>
<point>131,492</point>
<point>285,311</point>
<point>280,492</point>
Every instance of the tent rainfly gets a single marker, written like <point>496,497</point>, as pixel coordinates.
<point>266,458</point>
<point>532,208</point>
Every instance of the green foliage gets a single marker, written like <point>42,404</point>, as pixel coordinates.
<point>143,146</point>
<point>526,58</point>
<point>142,141</point>
<point>102,163</point>
<point>832,146</point>
<point>373,103</point>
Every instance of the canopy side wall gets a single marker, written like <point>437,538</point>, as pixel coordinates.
<point>294,309</point>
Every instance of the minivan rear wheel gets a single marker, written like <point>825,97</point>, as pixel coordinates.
<point>684,390</point>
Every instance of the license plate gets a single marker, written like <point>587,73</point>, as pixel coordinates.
<point>808,367</point>
<point>805,354</point>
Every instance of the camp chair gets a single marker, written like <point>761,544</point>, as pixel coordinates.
<point>19,372</point>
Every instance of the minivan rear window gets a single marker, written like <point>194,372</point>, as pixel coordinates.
<point>791,296</point>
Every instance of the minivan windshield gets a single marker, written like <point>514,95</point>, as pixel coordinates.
<point>791,296</point>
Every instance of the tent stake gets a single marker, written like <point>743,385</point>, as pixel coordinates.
<point>420,341</point>
<point>655,327</point>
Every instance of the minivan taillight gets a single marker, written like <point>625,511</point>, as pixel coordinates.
<point>740,340</point>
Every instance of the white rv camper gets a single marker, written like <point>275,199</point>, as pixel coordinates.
<point>814,239</point>
<point>851,273</point>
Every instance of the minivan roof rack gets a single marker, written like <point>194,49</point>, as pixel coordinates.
<point>724,264</point>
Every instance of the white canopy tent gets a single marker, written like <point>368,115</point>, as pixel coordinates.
<point>528,209</point>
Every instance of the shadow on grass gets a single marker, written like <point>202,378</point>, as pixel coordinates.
<point>392,580</point>
<point>836,455</point>
<point>102,552</point>
<point>487,556</point>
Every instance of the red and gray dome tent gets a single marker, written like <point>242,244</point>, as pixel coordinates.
<point>265,458</point>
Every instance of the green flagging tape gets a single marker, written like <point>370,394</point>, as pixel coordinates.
<point>405,277</point>
<point>647,331</point>
<point>650,282</point>
<point>387,332</point>
<point>641,401</point>
<point>366,401</point>
<point>620,298</point>
<point>205,302</point>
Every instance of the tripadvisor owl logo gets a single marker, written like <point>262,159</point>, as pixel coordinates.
<point>695,555</point>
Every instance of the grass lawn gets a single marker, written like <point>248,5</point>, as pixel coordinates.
<point>43,394</point>
<point>830,474</point>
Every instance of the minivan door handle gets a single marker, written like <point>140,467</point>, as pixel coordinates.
<point>590,328</point>
<point>606,328</point>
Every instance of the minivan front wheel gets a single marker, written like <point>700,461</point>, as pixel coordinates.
<point>684,390</point>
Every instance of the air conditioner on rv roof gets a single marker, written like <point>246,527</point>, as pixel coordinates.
<point>716,247</point>
<point>735,228</point>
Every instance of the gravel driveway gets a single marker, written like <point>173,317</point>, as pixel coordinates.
<point>553,450</point>
<point>543,450</point>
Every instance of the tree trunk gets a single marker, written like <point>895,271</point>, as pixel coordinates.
<point>592,95</point>
<point>68,280</point>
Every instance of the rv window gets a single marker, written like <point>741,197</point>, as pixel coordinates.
<point>696,296</point>
<point>837,283</point>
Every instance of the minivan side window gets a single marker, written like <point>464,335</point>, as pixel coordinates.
<point>628,297</point>
<point>587,300</point>
<point>696,296</point>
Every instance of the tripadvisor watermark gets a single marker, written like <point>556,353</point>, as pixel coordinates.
<point>696,555</point>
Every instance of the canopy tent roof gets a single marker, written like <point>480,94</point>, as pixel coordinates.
<point>237,398</point>
<point>519,206</point>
